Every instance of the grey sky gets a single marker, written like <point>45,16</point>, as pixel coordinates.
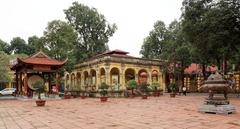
<point>134,18</point>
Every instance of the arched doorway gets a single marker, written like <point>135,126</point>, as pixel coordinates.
<point>115,79</point>
<point>78,79</point>
<point>93,77</point>
<point>85,79</point>
<point>154,76</point>
<point>142,76</point>
<point>129,75</point>
<point>72,81</point>
<point>67,82</point>
<point>102,75</point>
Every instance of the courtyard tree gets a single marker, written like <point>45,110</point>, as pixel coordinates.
<point>213,29</point>
<point>177,52</point>
<point>168,44</point>
<point>59,39</point>
<point>153,44</point>
<point>4,47</point>
<point>4,64</point>
<point>92,28</point>
<point>19,46</point>
<point>35,43</point>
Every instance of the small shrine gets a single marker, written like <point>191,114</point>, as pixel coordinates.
<point>38,67</point>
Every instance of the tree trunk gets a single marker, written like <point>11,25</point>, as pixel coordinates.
<point>39,95</point>
<point>204,71</point>
<point>224,64</point>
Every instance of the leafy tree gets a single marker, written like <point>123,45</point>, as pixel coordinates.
<point>167,43</point>
<point>19,46</point>
<point>153,44</point>
<point>213,29</point>
<point>59,39</point>
<point>35,43</point>
<point>4,60</point>
<point>4,47</point>
<point>92,29</point>
<point>177,51</point>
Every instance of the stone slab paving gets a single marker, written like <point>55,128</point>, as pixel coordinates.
<point>119,113</point>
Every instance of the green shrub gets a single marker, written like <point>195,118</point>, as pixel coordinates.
<point>103,89</point>
<point>39,88</point>
<point>132,84</point>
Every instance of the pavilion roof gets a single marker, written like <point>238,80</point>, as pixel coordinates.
<point>115,52</point>
<point>40,58</point>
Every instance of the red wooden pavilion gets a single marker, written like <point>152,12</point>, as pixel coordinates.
<point>38,64</point>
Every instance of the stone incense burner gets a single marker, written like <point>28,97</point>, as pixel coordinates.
<point>215,84</point>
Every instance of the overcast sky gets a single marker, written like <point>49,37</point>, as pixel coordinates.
<point>134,18</point>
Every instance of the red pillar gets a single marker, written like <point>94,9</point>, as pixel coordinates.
<point>25,84</point>
<point>57,81</point>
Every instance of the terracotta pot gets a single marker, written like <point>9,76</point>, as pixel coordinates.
<point>40,102</point>
<point>83,97</point>
<point>156,94</point>
<point>172,95</point>
<point>103,99</point>
<point>144,97</point>
<point>67,96</point>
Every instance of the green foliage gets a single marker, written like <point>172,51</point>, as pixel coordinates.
<point>19,46</point>
<point>4,69</point>
<point>4,47</point>
<point>92,29</point>
<point>167,43</point>
<point>36,43</point>
<point>132,84</point>
<point>155,85</point>
<point>153,44</point>
<point>172,87</point>
<point>59,39</point>
<point>39,86</point>
<point>103,89</point>
<point>144,87</point>
<point>213,29</point>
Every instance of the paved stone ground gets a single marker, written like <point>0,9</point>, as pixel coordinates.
<point>119,113</point>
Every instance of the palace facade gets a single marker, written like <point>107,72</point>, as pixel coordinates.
<point>115,68</point>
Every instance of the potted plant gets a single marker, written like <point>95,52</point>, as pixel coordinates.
<point>172,87</point>
<point>83,92</point>
<point>132,84</point>
<point>39,88</point>
<point>156,91</point>
<point>144,89</point>
<point>103,92</point>
<point>67,93</point>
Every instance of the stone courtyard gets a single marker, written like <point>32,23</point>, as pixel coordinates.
<point>119,113</point>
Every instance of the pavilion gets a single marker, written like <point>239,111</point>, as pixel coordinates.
<point>38,66</point>
<point>115,68</point>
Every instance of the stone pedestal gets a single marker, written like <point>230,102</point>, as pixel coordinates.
<point>217,109</point>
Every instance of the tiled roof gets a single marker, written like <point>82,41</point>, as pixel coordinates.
<point>195,68</point>
<point>39,58</point>
<point>41,61</point>
<point>115,52</point>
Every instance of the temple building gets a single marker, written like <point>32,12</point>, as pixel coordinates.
<point>38,67</point>
<point>115,68</point>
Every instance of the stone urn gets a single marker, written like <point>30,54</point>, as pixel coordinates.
<point>218,104</point>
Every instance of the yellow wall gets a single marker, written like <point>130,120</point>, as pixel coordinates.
<point>122,67</point>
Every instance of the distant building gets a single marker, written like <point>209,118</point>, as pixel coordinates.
<point>115,68</point>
